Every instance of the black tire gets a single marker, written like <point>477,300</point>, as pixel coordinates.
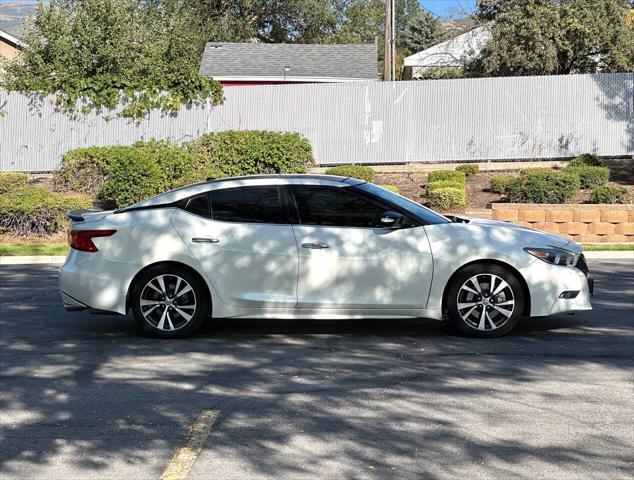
<point>469,319</point>
<point>154,321</point>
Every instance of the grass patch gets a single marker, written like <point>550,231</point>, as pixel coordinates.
<point>13,249</point>
<point>622,247</point>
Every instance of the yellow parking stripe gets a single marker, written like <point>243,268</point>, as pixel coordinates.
<point>186,455</point>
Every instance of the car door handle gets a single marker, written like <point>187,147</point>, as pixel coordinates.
<point>315,245</point>
<point>205,240</point>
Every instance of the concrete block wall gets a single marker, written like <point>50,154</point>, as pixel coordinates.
<point>583,223</point>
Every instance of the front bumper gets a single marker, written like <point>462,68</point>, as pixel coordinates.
<point>547,282</point>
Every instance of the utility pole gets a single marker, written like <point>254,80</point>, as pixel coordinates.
<point>393,40</point>
<point>387,42</point>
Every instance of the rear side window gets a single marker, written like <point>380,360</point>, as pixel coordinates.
<point>336,207</point>
<point>199,205</point>
<point>247,205</point>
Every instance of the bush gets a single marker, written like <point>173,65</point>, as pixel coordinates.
<point>198,176</point>
<point>586,160</point>
<point>444,184</point>
<point>500,183</point>
<point>543,186</point>
<point>391,188</point>
<point>446,197</point>
<point>172,161</point>
<point>590,177</point>
<point>249,152</point>
<point>468,168</point>
<point>610,194</point>
<point>134,175</point>
<point>85,169</point>
<point>11,181</point>
<point>537,171</point>
<point>354,171</point>
<point>438,175</point>
<point>36,210</point>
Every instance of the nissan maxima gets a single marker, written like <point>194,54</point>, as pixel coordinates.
<point>313,246</point>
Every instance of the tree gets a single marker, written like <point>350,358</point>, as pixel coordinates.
<point>102,50</point>
<point>548,37</point>
<point>421,31</point>
<point>488,9</point>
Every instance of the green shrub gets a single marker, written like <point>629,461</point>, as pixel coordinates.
<point>446,197</point>
<point>544,186</point>
<point>586,160</point>
<point>438,175</point>
<point>391,188</point>
<point>172,161</point>
<point>444,184</point>
<point>36,210</point>
<point>12,180</point>
<point>198,176</point>
<point>500,183</point>
<point>85,169</point>
<point>590,177</point>
<point>610,194</point>
<point>468,168</point>
<point>249,152</point>
<point>537,170</point>
<point>134,175</point>
<point>353,171</point>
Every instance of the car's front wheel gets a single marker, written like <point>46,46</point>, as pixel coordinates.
<point>485,300</point>
<point>169,302</point>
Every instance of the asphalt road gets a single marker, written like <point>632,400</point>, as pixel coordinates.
<point>85,397</point>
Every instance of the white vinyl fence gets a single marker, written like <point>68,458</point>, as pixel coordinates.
<point>365,122</point>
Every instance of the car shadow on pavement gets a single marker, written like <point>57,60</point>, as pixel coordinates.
<point>86,397</point>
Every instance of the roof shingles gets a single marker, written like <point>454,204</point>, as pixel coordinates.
<point>282,61</point>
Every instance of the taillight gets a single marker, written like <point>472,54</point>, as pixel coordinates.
<point>82,239</point>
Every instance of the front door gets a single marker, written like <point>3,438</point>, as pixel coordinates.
<point>245,245</point>
<point>348,261</point>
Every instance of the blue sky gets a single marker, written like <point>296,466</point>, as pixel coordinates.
<point>445,8</point>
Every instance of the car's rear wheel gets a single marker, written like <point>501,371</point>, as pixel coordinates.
<point>169,302</point>
<point>485,300</point>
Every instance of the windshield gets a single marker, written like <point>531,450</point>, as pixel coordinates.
<point>416,209</point>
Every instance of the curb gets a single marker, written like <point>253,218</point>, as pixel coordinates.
<point>31,260</point>
<point>58,260</point>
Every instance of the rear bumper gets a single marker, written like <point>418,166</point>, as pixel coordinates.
<point>71,304</point>
<point>89,281</point>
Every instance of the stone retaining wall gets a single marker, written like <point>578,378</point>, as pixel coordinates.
<point>582,223</point>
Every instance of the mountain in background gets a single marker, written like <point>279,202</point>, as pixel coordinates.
<point>13,13</point>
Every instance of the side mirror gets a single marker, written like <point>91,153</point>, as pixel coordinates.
<point>391,219</point>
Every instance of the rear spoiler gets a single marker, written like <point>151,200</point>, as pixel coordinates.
<point>78,215</point>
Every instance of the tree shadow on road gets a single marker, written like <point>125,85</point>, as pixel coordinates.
<point>346,399</point>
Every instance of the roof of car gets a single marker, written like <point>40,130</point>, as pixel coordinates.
<point>249,180</point>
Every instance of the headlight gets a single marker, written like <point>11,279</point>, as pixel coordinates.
<point>554,255</point>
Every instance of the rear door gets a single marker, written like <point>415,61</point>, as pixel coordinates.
<point>244,242</point>
<point>347,260</point>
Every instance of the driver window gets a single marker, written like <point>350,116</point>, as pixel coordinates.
<point>336,207</point>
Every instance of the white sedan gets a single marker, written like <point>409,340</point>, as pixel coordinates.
<point>313,246</point>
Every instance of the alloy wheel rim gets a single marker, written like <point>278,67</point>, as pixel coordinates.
<point>485,302</point>
<point>168,302</point>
